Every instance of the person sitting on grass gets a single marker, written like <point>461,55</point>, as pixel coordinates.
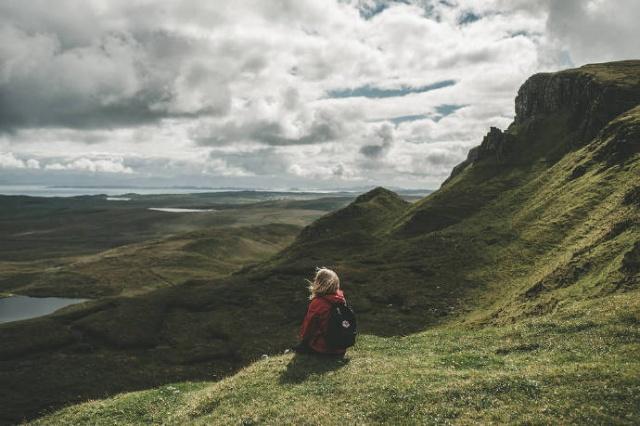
<point>318,334</point>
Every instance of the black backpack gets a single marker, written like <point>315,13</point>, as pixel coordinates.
<point>342,330</point>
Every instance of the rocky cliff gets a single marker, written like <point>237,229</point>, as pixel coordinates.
<point>589,95</point>
<point>581,100</point>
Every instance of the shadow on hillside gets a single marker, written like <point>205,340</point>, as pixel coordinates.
<point>302,366</point>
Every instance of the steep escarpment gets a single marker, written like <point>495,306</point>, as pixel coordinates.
<point>556,113</point>
<point>578,225</point>
<point>538,230</point>
<point>591,96</point>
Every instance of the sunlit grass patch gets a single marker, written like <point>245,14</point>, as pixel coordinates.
<point>538,371</point>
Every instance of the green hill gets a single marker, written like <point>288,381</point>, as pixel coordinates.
<point>509,295</point>
<point>90,247</point>
<point>557,369</point>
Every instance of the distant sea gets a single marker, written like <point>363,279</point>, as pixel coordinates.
<point>70,191</point>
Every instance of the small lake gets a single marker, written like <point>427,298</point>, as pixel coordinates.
<point>172,210</point>
<point>16,308</point>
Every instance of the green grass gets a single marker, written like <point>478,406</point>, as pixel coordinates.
<point>91,247</point>
<point>569,368</point>
<point>142,267</point>
<point>36,229</point>
<point>625,73</point>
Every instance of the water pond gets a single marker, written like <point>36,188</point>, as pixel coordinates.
<point>16,308</point>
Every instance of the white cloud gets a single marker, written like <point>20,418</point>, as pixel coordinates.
<point>9,161</point>
<point>95,165</point>
<point>596,30</point>
<point>32,163</point>
<point>219,167</point>
<point>175,89</point>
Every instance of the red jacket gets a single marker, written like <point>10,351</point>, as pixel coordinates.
<point>316,322</point>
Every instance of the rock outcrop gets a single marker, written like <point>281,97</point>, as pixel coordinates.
<point>621,138</point>
<point>588,97</point>
<point>588,94</point>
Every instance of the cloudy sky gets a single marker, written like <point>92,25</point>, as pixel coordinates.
<point>277,93</point>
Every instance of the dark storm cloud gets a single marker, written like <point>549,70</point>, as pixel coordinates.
<point>22,108</point>
<point>323,128</point>
<point>76,76</point>
<point>372,151</point>
<point>587,31</point>
<point>264,162</point>
<point>596,29</point>
<point>375,151</point>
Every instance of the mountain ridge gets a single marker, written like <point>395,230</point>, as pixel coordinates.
<point>503,246</point>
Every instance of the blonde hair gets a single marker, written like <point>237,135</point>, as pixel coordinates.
<point>325,282</point>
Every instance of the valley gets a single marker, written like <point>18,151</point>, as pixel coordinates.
<point>95,246</point>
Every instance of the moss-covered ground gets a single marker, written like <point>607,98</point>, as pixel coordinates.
<point>580,366</point>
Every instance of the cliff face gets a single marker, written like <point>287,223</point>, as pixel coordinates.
<point>588,94</point>
<point>585,99</point>
<point>557,114</point>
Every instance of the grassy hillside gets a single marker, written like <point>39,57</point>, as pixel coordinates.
<point>556,369</point>
<point>510,294</point>
<point>144,266</point>
<point>92,247</point>
<point>35,228</point>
